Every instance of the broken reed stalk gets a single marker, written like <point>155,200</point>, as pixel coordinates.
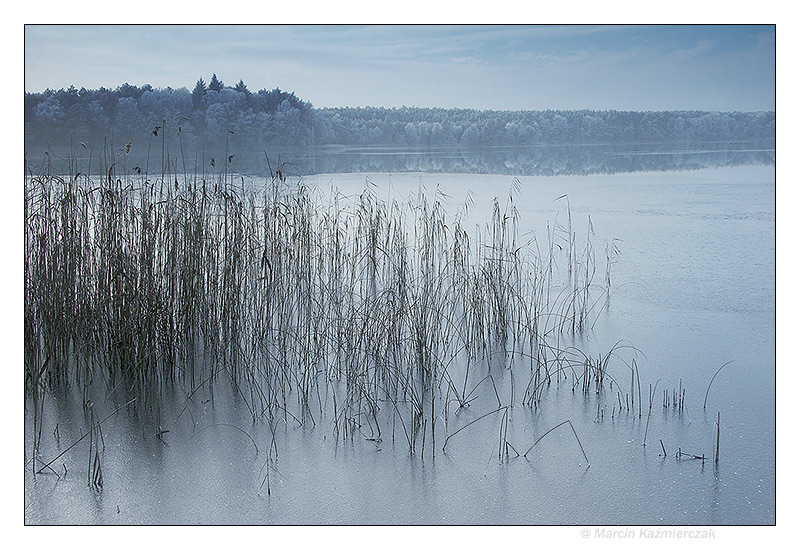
<point>708,389</point>
<point>680,454</point>
<point>62,453</point>
<point>653,390</point>
<point>470,424</point>
<point>638,387</point>
<point>525,454</point>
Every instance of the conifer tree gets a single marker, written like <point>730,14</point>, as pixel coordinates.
<point>215,84</point>
<point>242,87</point>
<point>198,92</point>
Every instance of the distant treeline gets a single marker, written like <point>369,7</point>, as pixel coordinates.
<point>214,120</point>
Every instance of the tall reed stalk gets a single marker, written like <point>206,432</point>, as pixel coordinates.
<point>136,282</point>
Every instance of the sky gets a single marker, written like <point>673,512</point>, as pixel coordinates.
<point>502,67</point>
<point>551,67</point>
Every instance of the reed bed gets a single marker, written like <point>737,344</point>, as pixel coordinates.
<point>373,317</point>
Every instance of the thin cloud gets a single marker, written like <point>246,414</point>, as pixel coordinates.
<point>487,67</point>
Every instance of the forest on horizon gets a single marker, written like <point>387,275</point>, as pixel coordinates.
<point>218,121</point>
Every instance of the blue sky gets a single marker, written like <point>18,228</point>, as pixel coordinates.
<point>486,67</point>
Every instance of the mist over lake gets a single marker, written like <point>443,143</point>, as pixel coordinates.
<point>243,309</point>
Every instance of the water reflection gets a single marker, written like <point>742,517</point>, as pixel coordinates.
<point>540,160</point>
<point>533,161</point>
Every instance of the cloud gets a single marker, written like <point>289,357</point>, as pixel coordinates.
<point>491,67</point>
<point>700,49</point>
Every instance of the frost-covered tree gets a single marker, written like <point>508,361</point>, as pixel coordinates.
<point>216,84</point>
<point>241,87</point>
<point>204,118</point>
<point>198,93</point>
<point>471,136</point>
<point>287,120</point>
<point>127,113</point>
<point>49,110</point>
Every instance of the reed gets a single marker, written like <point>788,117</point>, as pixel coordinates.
<point>313,307</point>
<point>708,389</point>
<point>525,454</point>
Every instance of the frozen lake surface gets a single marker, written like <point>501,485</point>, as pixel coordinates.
<point>694,288</point>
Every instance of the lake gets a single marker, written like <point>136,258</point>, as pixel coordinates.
<point>691,256</point>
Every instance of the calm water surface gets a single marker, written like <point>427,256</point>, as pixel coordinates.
<point>694,288</point>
